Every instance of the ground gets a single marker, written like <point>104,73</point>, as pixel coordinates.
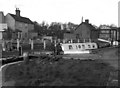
<point>68,72</point>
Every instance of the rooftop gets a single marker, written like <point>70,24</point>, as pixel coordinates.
<point>21,19</point>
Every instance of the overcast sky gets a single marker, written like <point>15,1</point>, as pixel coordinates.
<point>97,11</point>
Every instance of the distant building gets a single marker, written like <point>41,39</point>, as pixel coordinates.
<point>108,34</point>
<point>86,31</point>
<point>19,25</point>
<point>3,25</point>
<point>83,32</point>
<point>2,17</point>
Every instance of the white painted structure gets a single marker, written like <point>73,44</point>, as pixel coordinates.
<point>104,40</point>
<point>2,27</point>
<point>115,43</point>
<point>78,48</point>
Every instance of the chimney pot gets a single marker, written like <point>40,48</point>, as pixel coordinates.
<point>87,21</point>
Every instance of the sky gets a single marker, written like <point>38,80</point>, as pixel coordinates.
<point>97,11</point>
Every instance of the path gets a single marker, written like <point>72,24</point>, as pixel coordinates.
<point>2,75</point>
<point>109,56</point>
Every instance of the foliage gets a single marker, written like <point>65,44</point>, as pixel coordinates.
<point>54,29</point>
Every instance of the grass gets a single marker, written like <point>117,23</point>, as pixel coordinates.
<point>61,72</point>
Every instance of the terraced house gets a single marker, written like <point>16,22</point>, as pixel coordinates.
<point>21,26</point>
<point>86,31</point>
<point>3,26</point>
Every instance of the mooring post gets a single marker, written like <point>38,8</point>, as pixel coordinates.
<point>26,63</point>
<point>26,57</point>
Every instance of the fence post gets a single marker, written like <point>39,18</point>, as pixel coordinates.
<point>3,45</point>
<point>44,44</point>
<point>55,44</point>
<point>63,41</point>
<point>78,40</point>
<point>32,45</point>
<point>84,40</point>
<point>89,40</point>
<point>18,44</point>
<point>71,41</point>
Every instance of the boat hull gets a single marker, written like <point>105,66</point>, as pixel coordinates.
<point>78,48</point>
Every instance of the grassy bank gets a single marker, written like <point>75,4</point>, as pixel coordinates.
<point>59,72</point>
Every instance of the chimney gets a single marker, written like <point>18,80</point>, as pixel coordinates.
<point>17,12</point>
<point>87,21</point>
<point>2,17</point>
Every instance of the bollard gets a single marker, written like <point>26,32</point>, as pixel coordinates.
<point>26,57</point>
<point>26,64</point>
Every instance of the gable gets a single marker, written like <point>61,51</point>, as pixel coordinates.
<point>82,28</point>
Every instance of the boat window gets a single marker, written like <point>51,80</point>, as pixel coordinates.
<point>70,47</point>
<point>83,46</point>
<point>89,46</point>
<point>79,46</point>
<point>93,46</point>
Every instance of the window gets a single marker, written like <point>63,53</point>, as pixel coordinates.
<point>93,46</point>
<point>26,26</point>
<point>83,46</point>
<point>70,47</point>
<point>79,46</point>
<point>89,46</point>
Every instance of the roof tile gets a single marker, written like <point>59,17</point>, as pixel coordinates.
<point>22,19</point>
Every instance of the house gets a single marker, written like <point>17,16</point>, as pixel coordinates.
<point>33,34</point>
<point>3,25</point>
<point>86,31</point>
<point>19,25</point>
<point>2,17</point>
<point>108,34</point>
